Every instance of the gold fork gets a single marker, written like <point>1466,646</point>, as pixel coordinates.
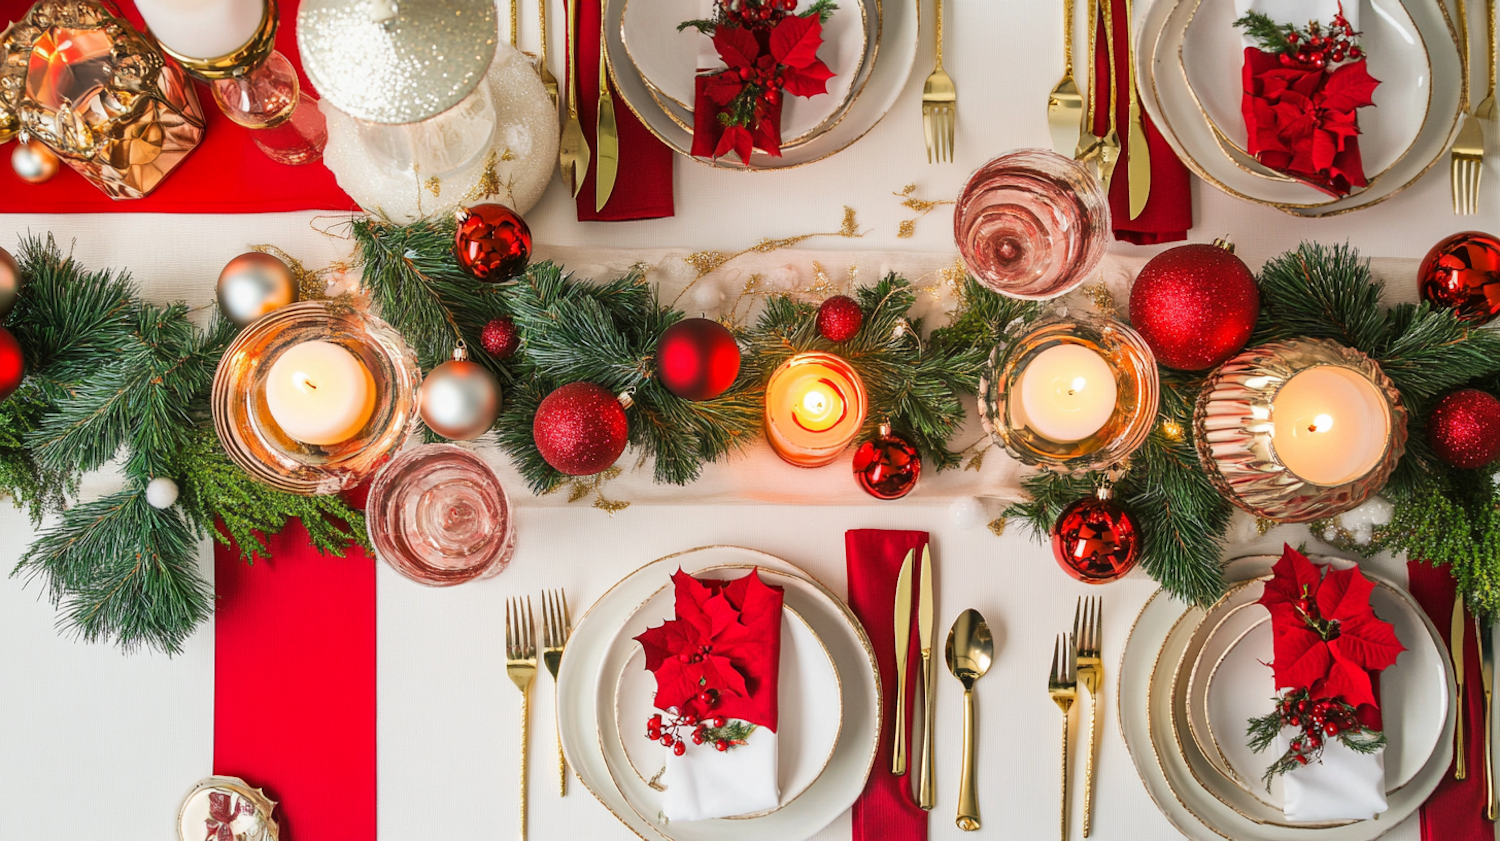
<point>939,103</point>
<point>556,626</point>
<point>1467,158</point>
<point>1063,687</point>
<point>1087,151</point>
<point>1109,146</point>
<point>1087,631</point>
<point>572,149</point>
<point>520,664</point>
<point>1065,104</point>
<point>549,81</point>
<point>1487,109</point>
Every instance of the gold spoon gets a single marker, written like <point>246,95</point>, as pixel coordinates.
<point>969,652</point>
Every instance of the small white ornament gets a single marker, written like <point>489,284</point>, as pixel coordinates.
<point>968,512</point>
<point>161,492</point>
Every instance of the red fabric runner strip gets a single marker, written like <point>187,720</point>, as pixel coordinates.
<point>887,811</point>
<point>1455,812</point>
<point>294,684</point>
<point>227,173</point>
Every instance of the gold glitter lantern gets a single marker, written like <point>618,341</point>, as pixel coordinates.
<point>100,95</point>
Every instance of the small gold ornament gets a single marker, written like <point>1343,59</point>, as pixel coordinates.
<point>254,284</point>
<point>33,162</point>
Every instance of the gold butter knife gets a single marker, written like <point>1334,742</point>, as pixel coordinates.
<point>1456,651</point>
<point>903,644</point>
<point>606,140</point>
<point>1487,675</point>
<point>1138,169</point>
<point>926,620</point>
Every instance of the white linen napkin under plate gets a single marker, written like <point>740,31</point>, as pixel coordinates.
<point>1296,12</point>
<point>704,783</point>
<point>1344,785</point>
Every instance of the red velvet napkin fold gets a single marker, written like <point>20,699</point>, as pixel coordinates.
<point>1455,811</point>
<point>1168,213</point>
<point>643,183</point>
<point>886,811</point>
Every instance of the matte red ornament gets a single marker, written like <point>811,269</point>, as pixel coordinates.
<point>839,318</point>
<point>493,242</point>
<point>1095,540</point>
<point>580,429</point>
<point>1195,305</point>
<point>1462,273</point>
<point>697,359</point>
<point>500,338</point>
<point>1464,428</point>
<point>12,364</point>
<point>887,467</point>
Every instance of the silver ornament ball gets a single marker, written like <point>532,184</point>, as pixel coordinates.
<point>161,492</point>
<point>10,282</point>
<point>33,162</point>
<point>459,400</point>
<point>254,284</point>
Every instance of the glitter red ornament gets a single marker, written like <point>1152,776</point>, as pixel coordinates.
<point>493,242</point>
<point>12,364</point>
<point>500,338</point>
<point>1464,428</point>
<point>1462,273</point>
<point>1095,540</point>
<point>580,429</point>
<point>1195,305</point>
<point>887,467</point>
<point>697,359</point>
<point>839,318</point>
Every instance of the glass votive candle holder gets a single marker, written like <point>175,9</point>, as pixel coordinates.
<point>815,406</point>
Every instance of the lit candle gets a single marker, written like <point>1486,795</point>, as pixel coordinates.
<point>320,393</point>
<point>1331,425</point>
<point>815,405</point>
<point>203,28</point>
<point>1067,393</point>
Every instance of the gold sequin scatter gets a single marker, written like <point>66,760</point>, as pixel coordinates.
<point>997,526</point>
<point>907,229</point>
<point>1102,299</point>
<point>850,230</point>
<point>507,155</point>
<point>1172,430</point>
<point>488,184</point>
<point>581,487</point>
<point>919,206</point>
<point>1262,525</point>
<point>435,186</point>
<point>705,263</point>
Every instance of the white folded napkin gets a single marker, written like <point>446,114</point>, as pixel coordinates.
<point>1344,785</point>
<point>1296,12</point>
<point>704,783</point>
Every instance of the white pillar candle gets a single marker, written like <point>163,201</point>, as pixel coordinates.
<point>203,28</point>
<point>319,393</point>
<point>1066,394</point>
<point>1331,425</point>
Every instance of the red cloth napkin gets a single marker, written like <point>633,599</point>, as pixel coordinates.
<point>886,811</point>
<point>1169,211</point>
<point>1455,812</point>
<point>643,184</point>
<point>227,173</point>
<point>1275,105</point>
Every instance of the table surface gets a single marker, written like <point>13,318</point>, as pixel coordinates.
<point>124,737</point>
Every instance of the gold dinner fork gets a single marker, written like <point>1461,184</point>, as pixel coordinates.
<point>556,626</point>
<point>939,103</point>
<point>549,81</point>
<point>1063,687</point>
<point>572,148</point>
<point>1467,159</point>
<point>1486,109</point>
<point>520,664</point>
<point>1087,152</point>
<point>1087,630</point>
<point>1065,103</point>
<point>1109,145</point>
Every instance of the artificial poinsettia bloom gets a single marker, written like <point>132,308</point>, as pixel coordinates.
<point>1301,119</point>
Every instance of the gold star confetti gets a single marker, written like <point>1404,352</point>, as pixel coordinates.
<point>997,526</point>
<point>435,186</point>
<point>1262,525</point>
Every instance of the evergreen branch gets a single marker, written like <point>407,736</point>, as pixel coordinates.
<point>1324,292</point>
<point>1262,29</point>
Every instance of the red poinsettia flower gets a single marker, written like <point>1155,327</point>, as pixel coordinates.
<point>1326,638</point>
<point>1301,119</point>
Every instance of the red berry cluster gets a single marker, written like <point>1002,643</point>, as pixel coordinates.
<point>1319,720</point>
<point>755,14</point>
<point>1318,48</point>
<point>669,733</point>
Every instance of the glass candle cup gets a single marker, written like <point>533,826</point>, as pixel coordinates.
<point>815,406</point>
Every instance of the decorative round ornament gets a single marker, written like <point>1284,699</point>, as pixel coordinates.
<point>500,338</point>
<point>888,466</point>
<point>1462,273</point>
<point>968,512</point>
<point>697,359</point>
<point>839,318</point>
<point>459,399</point>
<point>227,809</point>
<point>161,492</point>
<point>10,283</point>
<point>1095,539</point>
<point>492,243</point>
<point>12,364</point>
<point>1195,305</point>
<point>254,284</point>
<point>1464,428</point>
<point>33,162</point>
<point>580,429</point>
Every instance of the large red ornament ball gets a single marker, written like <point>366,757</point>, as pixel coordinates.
<point>500,338</point>
<point>1462,273</point>
<point>1465,428</point>
<point>839,318</point>
<point>493,242</point>
<point>697,359</point>
<point>1095,540</point>
<point>1195,305</point>
<point>887,467</point>
<point>12,364</point>
<point>580,429</point>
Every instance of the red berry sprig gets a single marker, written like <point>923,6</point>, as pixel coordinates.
<point>1317,721</point>
<point>1317,46</point>
<point>675,732</point>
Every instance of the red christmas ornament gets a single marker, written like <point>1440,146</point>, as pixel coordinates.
<point>839,318</point>
<point>697,359</point>
<point>1095,539</point>
<point>500,338</point>
<point>1195,305</point>
<point>887,467</point>
<point>493,242</point>
<point>580,429</point>
<point>1465,428</point>
<point>1462,273</point>
<point>12,364</point>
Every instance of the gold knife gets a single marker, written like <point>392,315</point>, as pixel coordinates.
<point>926,620</point>
<point>1138,170</point>
<point>606,140</point>
<point>1456,652</point>
<point>1487,675</point>
<point>903,644</point>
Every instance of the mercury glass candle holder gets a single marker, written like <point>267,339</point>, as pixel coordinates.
<point>1237,426</point>
<point>439,516</point>
<point>251,436</point>
<point>815,406</point>
<point>1136,385</point>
